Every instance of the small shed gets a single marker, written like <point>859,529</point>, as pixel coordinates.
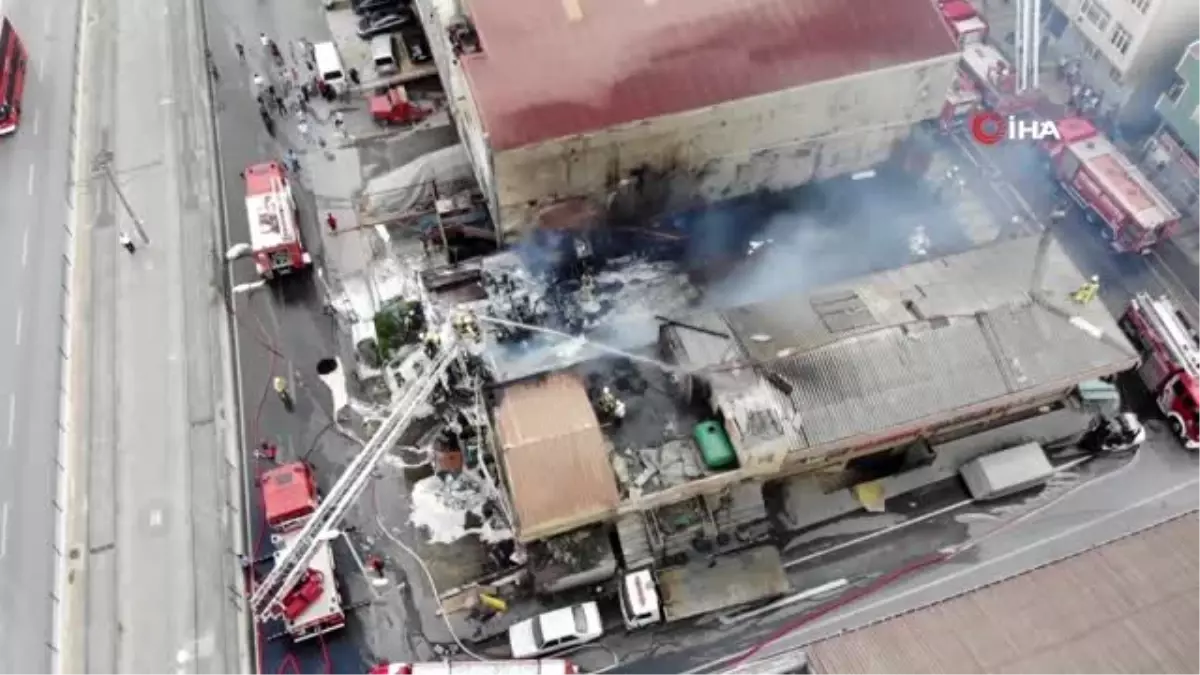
<point>555,456</point>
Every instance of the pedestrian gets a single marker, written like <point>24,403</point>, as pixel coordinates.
<point>267,451</point>
<point>293,160</point>
<point>353,72</point>
<point>266,41</point>
<point>302,127</point>
<point>216,75</point>
<point>331,221</point>
<point>301,102</point>
<point>127,242</point>
<point>1087,292</point>
<point>241,51</point>
<point>281,105</point>
<point>305,95</point>
<point>271,91</point>
<point>281,389</point>
<point>259,83</point>
<point>339,120</point>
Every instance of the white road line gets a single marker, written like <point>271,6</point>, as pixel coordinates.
<point>12,417</point>
<point>49,18</point>
<point>20,316</point>
<point>35,121</point>
<point>25,246</point>
<point>31,179</point>
<point>3,530</point>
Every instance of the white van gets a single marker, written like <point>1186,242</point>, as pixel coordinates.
<point>639,599</point>
<point>329,65</point>
<point>383,54</point>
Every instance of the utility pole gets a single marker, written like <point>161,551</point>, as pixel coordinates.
<point>103,164</point>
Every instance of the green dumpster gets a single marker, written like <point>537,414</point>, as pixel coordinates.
<point>714,444</point>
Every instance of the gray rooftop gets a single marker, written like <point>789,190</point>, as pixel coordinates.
<point>865,357</point>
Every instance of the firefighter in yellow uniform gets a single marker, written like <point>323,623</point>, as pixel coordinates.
<point>1087,292</point>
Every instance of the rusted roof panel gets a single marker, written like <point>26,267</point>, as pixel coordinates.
<point>1129,606</point>
<point>554,454</point>
<point>554,68</point>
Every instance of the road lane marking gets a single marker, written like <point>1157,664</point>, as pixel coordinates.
<point>20,315</point>
<point>49,18</point>
<point>31,179</point>
<point>4,531</point>
<point>12,417</point>
<point>35,121</point>
<point>25,246</point>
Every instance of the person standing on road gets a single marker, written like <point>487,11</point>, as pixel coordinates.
<point>281,389</point>
<point>241,51</point>
<point>302,127</point>
<point>293,160</point>
<point>259,84</point>
<point>127,242</point>
<point>331,221</point>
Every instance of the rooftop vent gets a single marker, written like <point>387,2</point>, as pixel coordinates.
<point>842,311</point>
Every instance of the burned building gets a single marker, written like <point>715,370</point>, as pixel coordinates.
<point>575,112</point>
<point>932,352</point>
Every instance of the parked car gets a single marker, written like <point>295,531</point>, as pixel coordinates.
<point>363,7</point>
<point>383,22</point>
<point>417,48</point>
<point>555,631</point>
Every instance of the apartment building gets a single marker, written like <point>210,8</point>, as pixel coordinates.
<point>1127,49</point>
<point>1170,154</point>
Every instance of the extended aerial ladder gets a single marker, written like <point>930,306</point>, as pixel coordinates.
<point>1169,332</point>
<point>292,564</point>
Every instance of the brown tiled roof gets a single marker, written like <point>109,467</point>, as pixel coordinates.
<point>1129,606</point>
<point>554,454</point>
<point>554,68</point>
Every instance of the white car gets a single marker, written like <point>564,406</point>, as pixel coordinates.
<point>555,631</point>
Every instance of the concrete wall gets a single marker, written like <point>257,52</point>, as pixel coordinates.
<point>435,15</point>
<point>774,141</point>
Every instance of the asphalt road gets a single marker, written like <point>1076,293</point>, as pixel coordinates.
<point>33,164</point>
<point>158,567</point>
<point>281,329</point>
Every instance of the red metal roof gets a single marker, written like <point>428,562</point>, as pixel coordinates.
<point>554,68</point>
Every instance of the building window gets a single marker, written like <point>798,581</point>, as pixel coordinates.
<point>1095,13</point>
<point>1141,5</point>
<point>1175,91</point>
<point>1115,75</point>
<point>1091,51</point>
<point>1121,38</point>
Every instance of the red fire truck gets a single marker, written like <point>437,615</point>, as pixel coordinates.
<point>1170,365</point>
<point>12,77</point>
<point>313,607</point>
<point>962,102</point>
<point>1110,188</point>
<point>529,667</point>
<point>997,80</point>
<point>964,22</point>
<point>275,240</point>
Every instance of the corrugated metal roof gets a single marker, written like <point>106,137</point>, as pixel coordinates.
<point>1129,606</point>
<point>554,68</point>
<point>945,334</point>
<point>554,454</point>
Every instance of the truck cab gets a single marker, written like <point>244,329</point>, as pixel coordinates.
<point>640,606</point>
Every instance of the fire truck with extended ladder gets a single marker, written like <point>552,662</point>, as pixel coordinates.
<point>1170,365</point>
<point>313,606</point>
<point>1109,187</point>
<point>275,240</point>
<point>308,541</point>
<point>996,79</point>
